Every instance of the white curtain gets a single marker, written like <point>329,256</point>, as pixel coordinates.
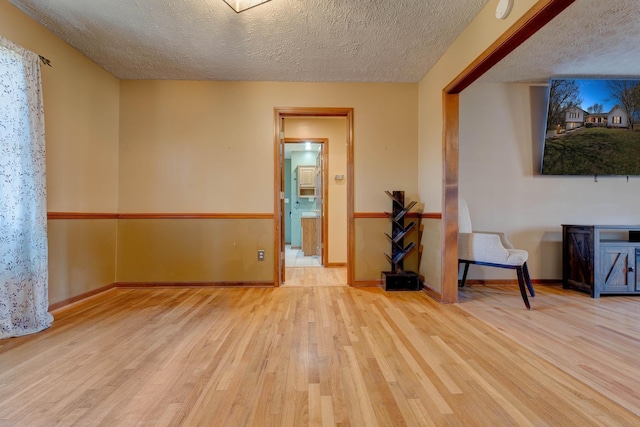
<point>23,211</point>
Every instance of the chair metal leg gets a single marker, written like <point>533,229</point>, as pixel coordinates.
<point>523,290</point>
<point>464,274</point>
<point>527,279</point>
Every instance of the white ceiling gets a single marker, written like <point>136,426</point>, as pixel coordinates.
<point>281,40</point>
<point>329,40</point>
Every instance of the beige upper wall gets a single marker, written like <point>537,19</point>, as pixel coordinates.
<point>475,39</point>
<point>189,146</point>
<point>81,103</point>
<point>184,142</point>
<point>335,130</point>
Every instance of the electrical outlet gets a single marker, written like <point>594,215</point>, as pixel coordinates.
<point>260,254</point>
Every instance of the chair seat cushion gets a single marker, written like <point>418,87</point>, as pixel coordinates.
<point>488,248</point>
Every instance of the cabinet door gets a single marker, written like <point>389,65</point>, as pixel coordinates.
<point>636,284</point>
<point>306,176</point>
<point>578,257</point>
<point>308,236</point>
<point>618,265</point>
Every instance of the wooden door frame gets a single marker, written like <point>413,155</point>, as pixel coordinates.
<point>279,114</point>
<point>325,189</point>
<point>533,20</point>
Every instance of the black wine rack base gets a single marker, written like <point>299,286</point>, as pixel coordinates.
<point>407,281</point>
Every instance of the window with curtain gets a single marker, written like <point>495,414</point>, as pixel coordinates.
<point>24,298</point>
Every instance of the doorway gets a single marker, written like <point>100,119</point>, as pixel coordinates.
<point>346,178</point>
<point>305,196</point>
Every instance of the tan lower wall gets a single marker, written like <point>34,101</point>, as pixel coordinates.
<point>431,264</point>
<point>371,245</point>
<point>195,250</point>
<point>81,257</point>
<point>82,253</point>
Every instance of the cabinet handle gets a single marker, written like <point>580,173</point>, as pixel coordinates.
<point>630,269</point>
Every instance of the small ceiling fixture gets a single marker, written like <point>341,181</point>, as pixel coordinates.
<point>242,5</point>
<point>503,8</point>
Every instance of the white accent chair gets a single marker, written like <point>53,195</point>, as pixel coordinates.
<point>492,249</point>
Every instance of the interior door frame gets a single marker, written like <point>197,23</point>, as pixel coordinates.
<point>325,189</point>
<point>279,114</point>
<point>533,20</point>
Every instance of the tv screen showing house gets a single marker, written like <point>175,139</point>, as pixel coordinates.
<point>592,127</point>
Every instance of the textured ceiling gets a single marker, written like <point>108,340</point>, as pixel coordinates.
<point>329,40</point>
<point>590,38</point>
<point>281,40</point>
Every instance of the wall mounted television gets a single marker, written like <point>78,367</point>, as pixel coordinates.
<point>592,127</point>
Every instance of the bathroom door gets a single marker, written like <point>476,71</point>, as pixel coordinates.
<point>320,203</point>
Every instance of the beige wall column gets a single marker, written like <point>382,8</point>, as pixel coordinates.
<point>81,103</point>
<point>484,42</point>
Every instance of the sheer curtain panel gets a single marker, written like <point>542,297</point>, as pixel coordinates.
<point>24,298</point>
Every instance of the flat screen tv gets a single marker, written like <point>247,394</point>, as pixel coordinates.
<point>592,127</point>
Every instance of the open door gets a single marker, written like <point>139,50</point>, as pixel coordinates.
<point>320,204</point>
<point>282,204</point>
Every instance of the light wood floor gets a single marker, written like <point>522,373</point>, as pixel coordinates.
<point>596,341</point>
<point>315,276</point>
<point>290,356</point>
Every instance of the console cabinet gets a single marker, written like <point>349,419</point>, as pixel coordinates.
<point>601,259</point>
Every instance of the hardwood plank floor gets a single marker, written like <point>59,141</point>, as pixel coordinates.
<point>315,276</point>
<point>288,356</point>
<point>596,341</point>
